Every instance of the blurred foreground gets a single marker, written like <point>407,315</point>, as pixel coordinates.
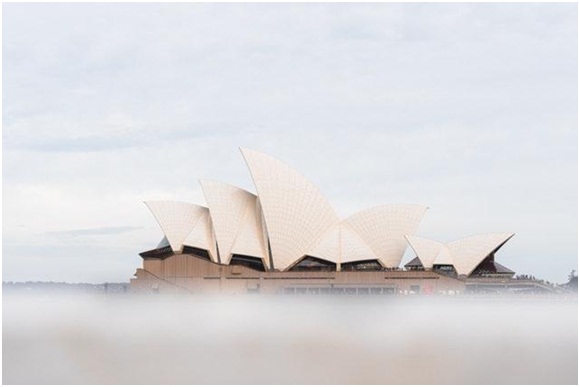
<point>119,339</point>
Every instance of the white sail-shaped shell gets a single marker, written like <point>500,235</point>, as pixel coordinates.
<point>469,252</point>
<point>176,219</point>
<point>328,246</point>
<point>354,248</point>
<point>383,228</point>
<point>426,249</point>
<point>342,244</point>
<point>444,257</point>
<point>236,220</point>
<point>202,235</point>
<point>464,254</point>
<point>296,213</point>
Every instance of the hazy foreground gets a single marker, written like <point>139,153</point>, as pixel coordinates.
<point>119,339</point>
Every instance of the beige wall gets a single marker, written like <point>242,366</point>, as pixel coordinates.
<point>189,274</point>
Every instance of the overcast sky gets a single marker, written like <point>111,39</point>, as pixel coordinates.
<point>470,109</point>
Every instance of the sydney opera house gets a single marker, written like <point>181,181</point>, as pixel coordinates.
<point>286,238</point>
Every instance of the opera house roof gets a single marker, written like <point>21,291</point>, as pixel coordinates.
<point>289,220</point>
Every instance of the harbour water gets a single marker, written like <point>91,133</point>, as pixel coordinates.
<point>123,339</point>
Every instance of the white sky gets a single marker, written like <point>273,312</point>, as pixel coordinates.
<point>470,109</point>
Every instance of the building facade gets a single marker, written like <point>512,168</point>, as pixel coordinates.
<point>286,238</point>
